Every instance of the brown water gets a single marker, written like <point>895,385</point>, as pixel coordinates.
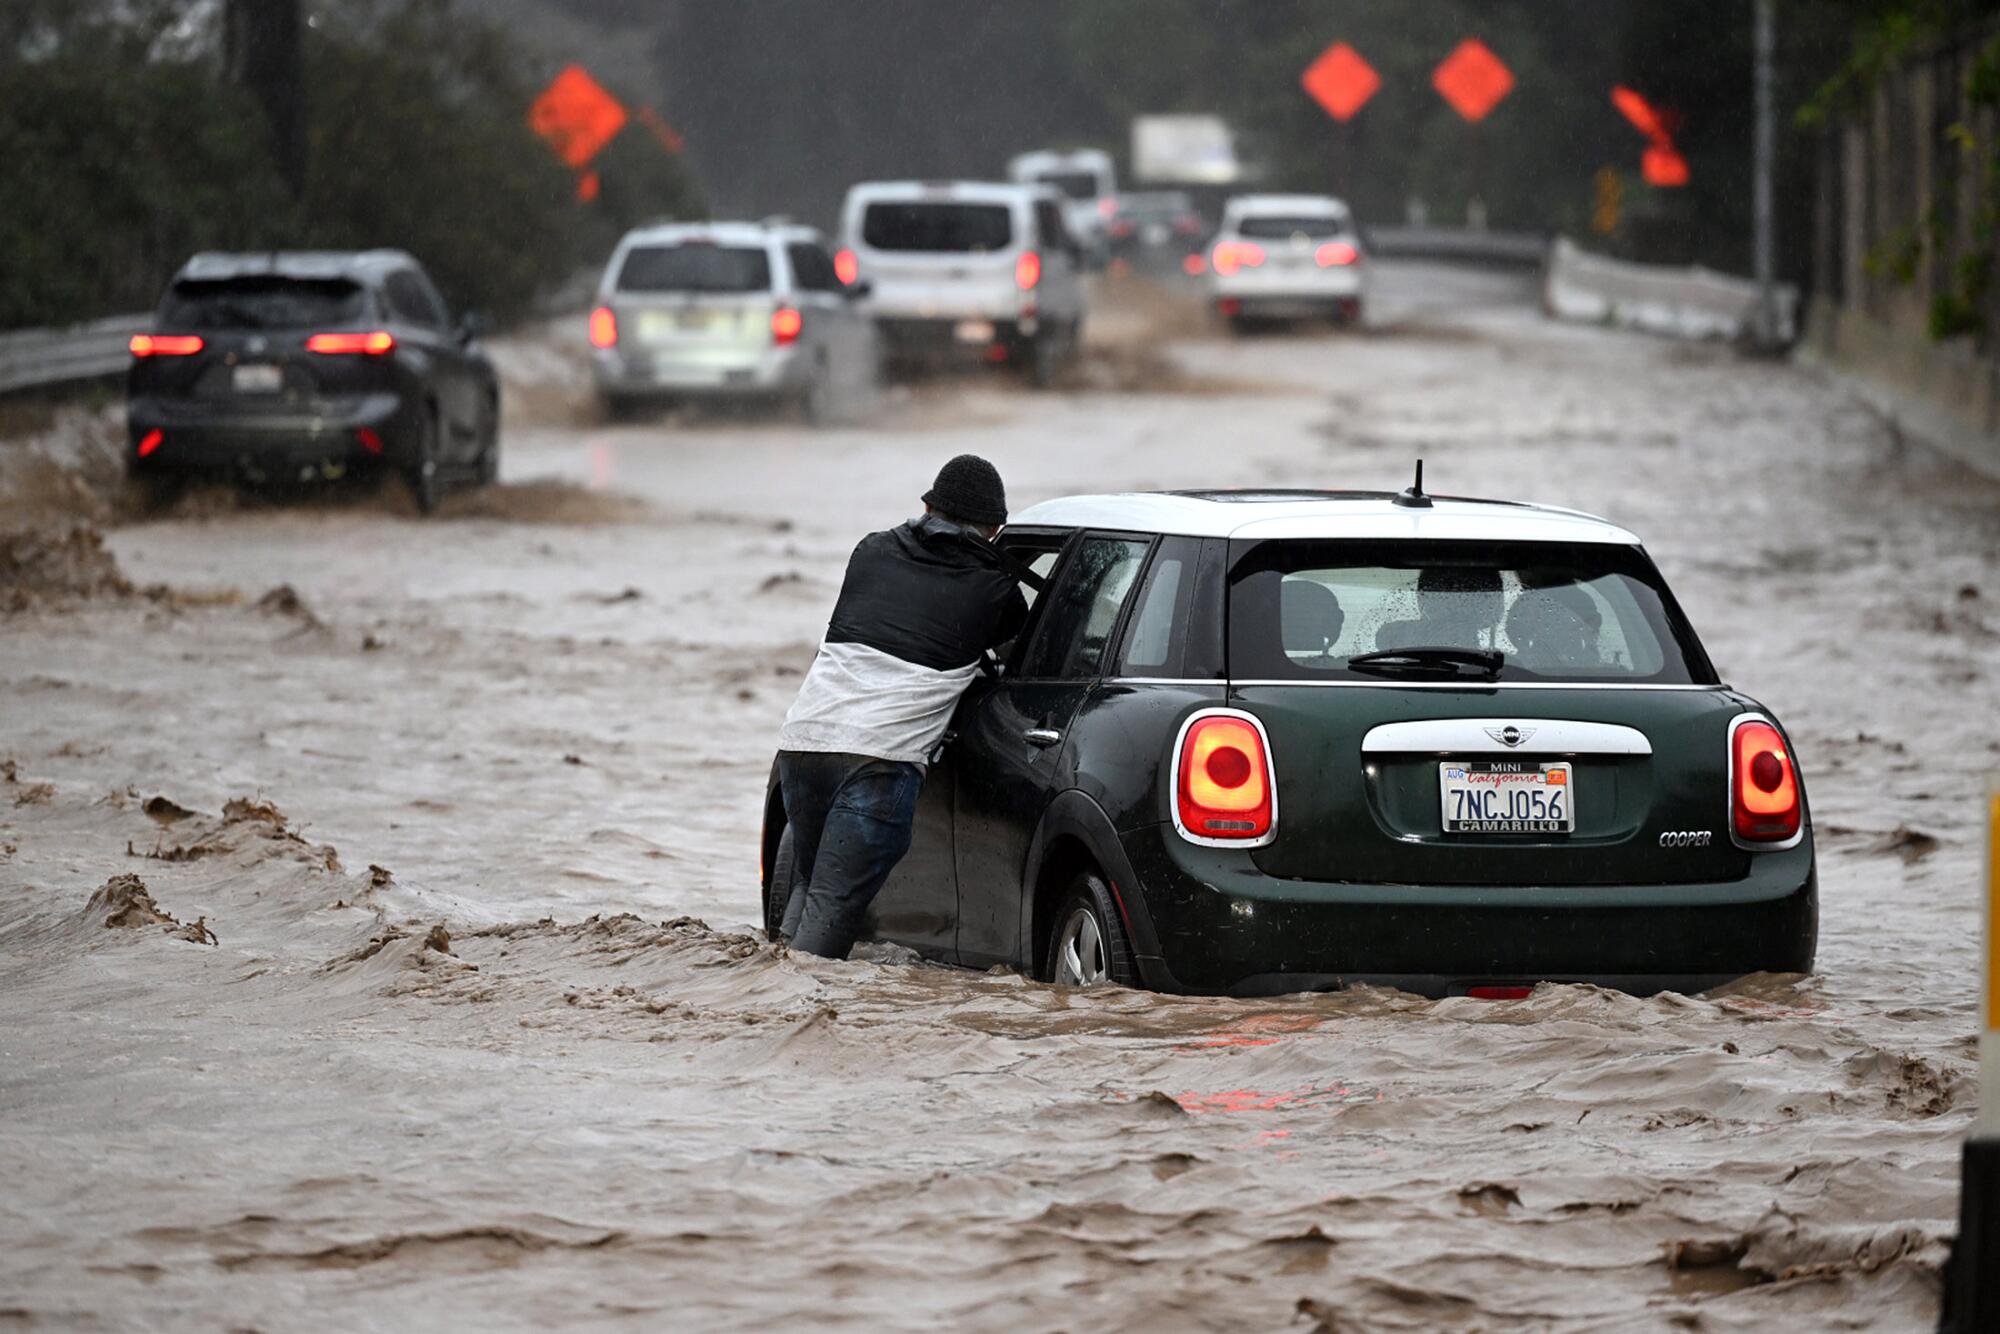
<point>542,723</point>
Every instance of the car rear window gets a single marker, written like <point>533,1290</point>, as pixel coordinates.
<point>1575,612</point>
<point>1074,184</point>
<point>265,302</point>
<point>1269,228</point>
<point>940,226</point>
<point>695,267</point>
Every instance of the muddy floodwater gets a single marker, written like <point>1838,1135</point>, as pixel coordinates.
<point>433,999</point>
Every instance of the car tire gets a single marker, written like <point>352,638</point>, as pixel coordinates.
<point>1047,354</point>
<point>1087,943</point>
<point>816,401</point>
<point>778,884</point>
<point>489,450</point>
<point>426,475</point>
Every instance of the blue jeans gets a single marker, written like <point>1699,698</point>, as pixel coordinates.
<point>850,819</point>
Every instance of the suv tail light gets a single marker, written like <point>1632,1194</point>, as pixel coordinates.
<point>165,345</point>
<point>377,343</point>
<point>603,328</point>
<point>1336,253</point>
<point>1764,806</point>
<point>846,267</point>
<point>785,325</point>
<point>1233,255</point>
<point>1027,270</point>
<point>1222,780</point>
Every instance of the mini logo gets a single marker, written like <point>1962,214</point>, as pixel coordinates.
<point>1686,838</point>
<point>1510,735</point>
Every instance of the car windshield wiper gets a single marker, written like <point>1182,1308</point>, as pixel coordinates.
<point>1429,658</point>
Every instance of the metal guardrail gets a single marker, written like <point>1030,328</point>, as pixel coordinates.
<point>1681,301</point>
<point>39,358</point>
<point>1466,245</point>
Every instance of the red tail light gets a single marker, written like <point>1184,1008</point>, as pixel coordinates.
<point>846,267</point>
<point>1764,801</point>
<point>151,441</point>
<point>1233,255</point>
<point>1500,993</point>
<point>603,328</point>
<point>1106,207</point>
<point>1027,270</point>
<point>377,343</point>
<point>370,438</point>
<point>1222,780</point>
<point>1194,266</point>
<point>1335,253</point>
<point>165,345</point>
<point>785,325</point>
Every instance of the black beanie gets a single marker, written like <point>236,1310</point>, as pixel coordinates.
<point>969,488</point>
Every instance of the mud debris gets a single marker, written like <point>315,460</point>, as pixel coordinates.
<point>165,811</point>
<point>39,566</point>
<point>1912,845</point>
<point>126,904</point>
<point>284,600</point>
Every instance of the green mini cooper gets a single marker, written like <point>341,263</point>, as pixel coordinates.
<point>1254,742</point>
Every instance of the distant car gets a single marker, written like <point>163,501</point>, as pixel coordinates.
<point>1088,184</point>
<point>967,268</point>
<point>1287,256</point>
<point>292,365</point>
<point>1259,742</point>
<point>1156,228</point>
<point>727,310</point>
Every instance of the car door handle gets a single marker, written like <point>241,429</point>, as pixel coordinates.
<point>1042,736</point>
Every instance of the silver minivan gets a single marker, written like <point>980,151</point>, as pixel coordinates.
<point>727,310</point>
<point>966,268</point>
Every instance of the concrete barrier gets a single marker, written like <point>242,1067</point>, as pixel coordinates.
<point>38,358</point>
<point>1681,302</point>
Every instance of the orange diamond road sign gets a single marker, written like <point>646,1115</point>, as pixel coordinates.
<point>1472,79</point>
<point>576,116</point>
<point>1341,81</point>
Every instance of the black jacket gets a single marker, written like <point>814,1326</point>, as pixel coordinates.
<point>929,593</point>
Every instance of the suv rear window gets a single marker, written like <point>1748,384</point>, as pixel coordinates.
<point>941,226</point>
<point>264,302</point>
<point>696,267</point>
<point>1269,228</point>
<point>1581,612</point>
<point>1074,184</point>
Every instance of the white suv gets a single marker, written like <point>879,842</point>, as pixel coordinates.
<point>727,309</point>
<point>1085,179</point>
<point>964,266</point>
<point>1287,256</point>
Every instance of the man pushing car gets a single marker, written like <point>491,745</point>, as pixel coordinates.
<point>919,607</point>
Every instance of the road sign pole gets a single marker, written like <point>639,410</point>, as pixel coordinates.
<point>1972,1279</point>
<point>1763,186</point>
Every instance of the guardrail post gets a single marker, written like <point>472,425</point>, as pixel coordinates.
<point>1972,1278</point>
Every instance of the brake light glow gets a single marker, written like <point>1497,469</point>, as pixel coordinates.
<point>846,267</point>
<point>376,343</point>
<point>1027,270</point>
<point>165,345</point>
<point>1194,265</point>
<point>1106,207</point>
<point>1336,253</point>
<point>1763,784</point>
<point>785,325</point>
<point>1500,993</point>
<point>1222,780</point>
<point>151,441</point>
<point>603,328</point>
<point>1233,255</point>
<point>370,438</point>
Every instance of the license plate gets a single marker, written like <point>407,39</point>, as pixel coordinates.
<point>658,324</point>
<point>258,378</point>
<point>975,331</point>
<point>1507,797</point>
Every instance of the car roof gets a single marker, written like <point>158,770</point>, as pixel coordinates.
<point>220,266</point>
<point>722,233</point>
<point>973,192</point>
<point>1286,204</point>
<point>1258,514</point>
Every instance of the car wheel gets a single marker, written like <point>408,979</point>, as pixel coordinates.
<point>817,400</point>
<point>778,885</point>
<point>1088,945</point>
<point>426,481</point>
<point>489,452</point>
<point>1046,357</point>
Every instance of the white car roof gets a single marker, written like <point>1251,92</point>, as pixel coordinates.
<point>1286,204</point>
<point>722,233</point>
<point>968,192</point>
<point>1257,515</point>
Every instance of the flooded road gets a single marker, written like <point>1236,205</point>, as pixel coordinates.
<point>486,1039</point>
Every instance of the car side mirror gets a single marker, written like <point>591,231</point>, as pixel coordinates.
<point>471,325</point>
<point>857,289</point>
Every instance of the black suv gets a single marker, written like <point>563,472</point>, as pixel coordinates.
<point>1261,742</point>
<point>284,367</point>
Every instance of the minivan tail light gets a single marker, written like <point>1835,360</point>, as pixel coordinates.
<point>1336,253</point>
<point>1222,780</point>
<point>375,343</point>
<point>603,328</point>
<point>785,325</point>
<point>1027,270</point>
<point>165,345</point>
<point>1764,803</point>
<point>846,267</point>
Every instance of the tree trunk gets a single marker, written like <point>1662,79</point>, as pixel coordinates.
<point>262,51</point>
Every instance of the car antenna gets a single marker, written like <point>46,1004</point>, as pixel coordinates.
<point>1412,496</point>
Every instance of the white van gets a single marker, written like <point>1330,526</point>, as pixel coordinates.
<point>727,310</point>
<point>1287,256</point>
<point>1089,186</point>
<point>978,268</point>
